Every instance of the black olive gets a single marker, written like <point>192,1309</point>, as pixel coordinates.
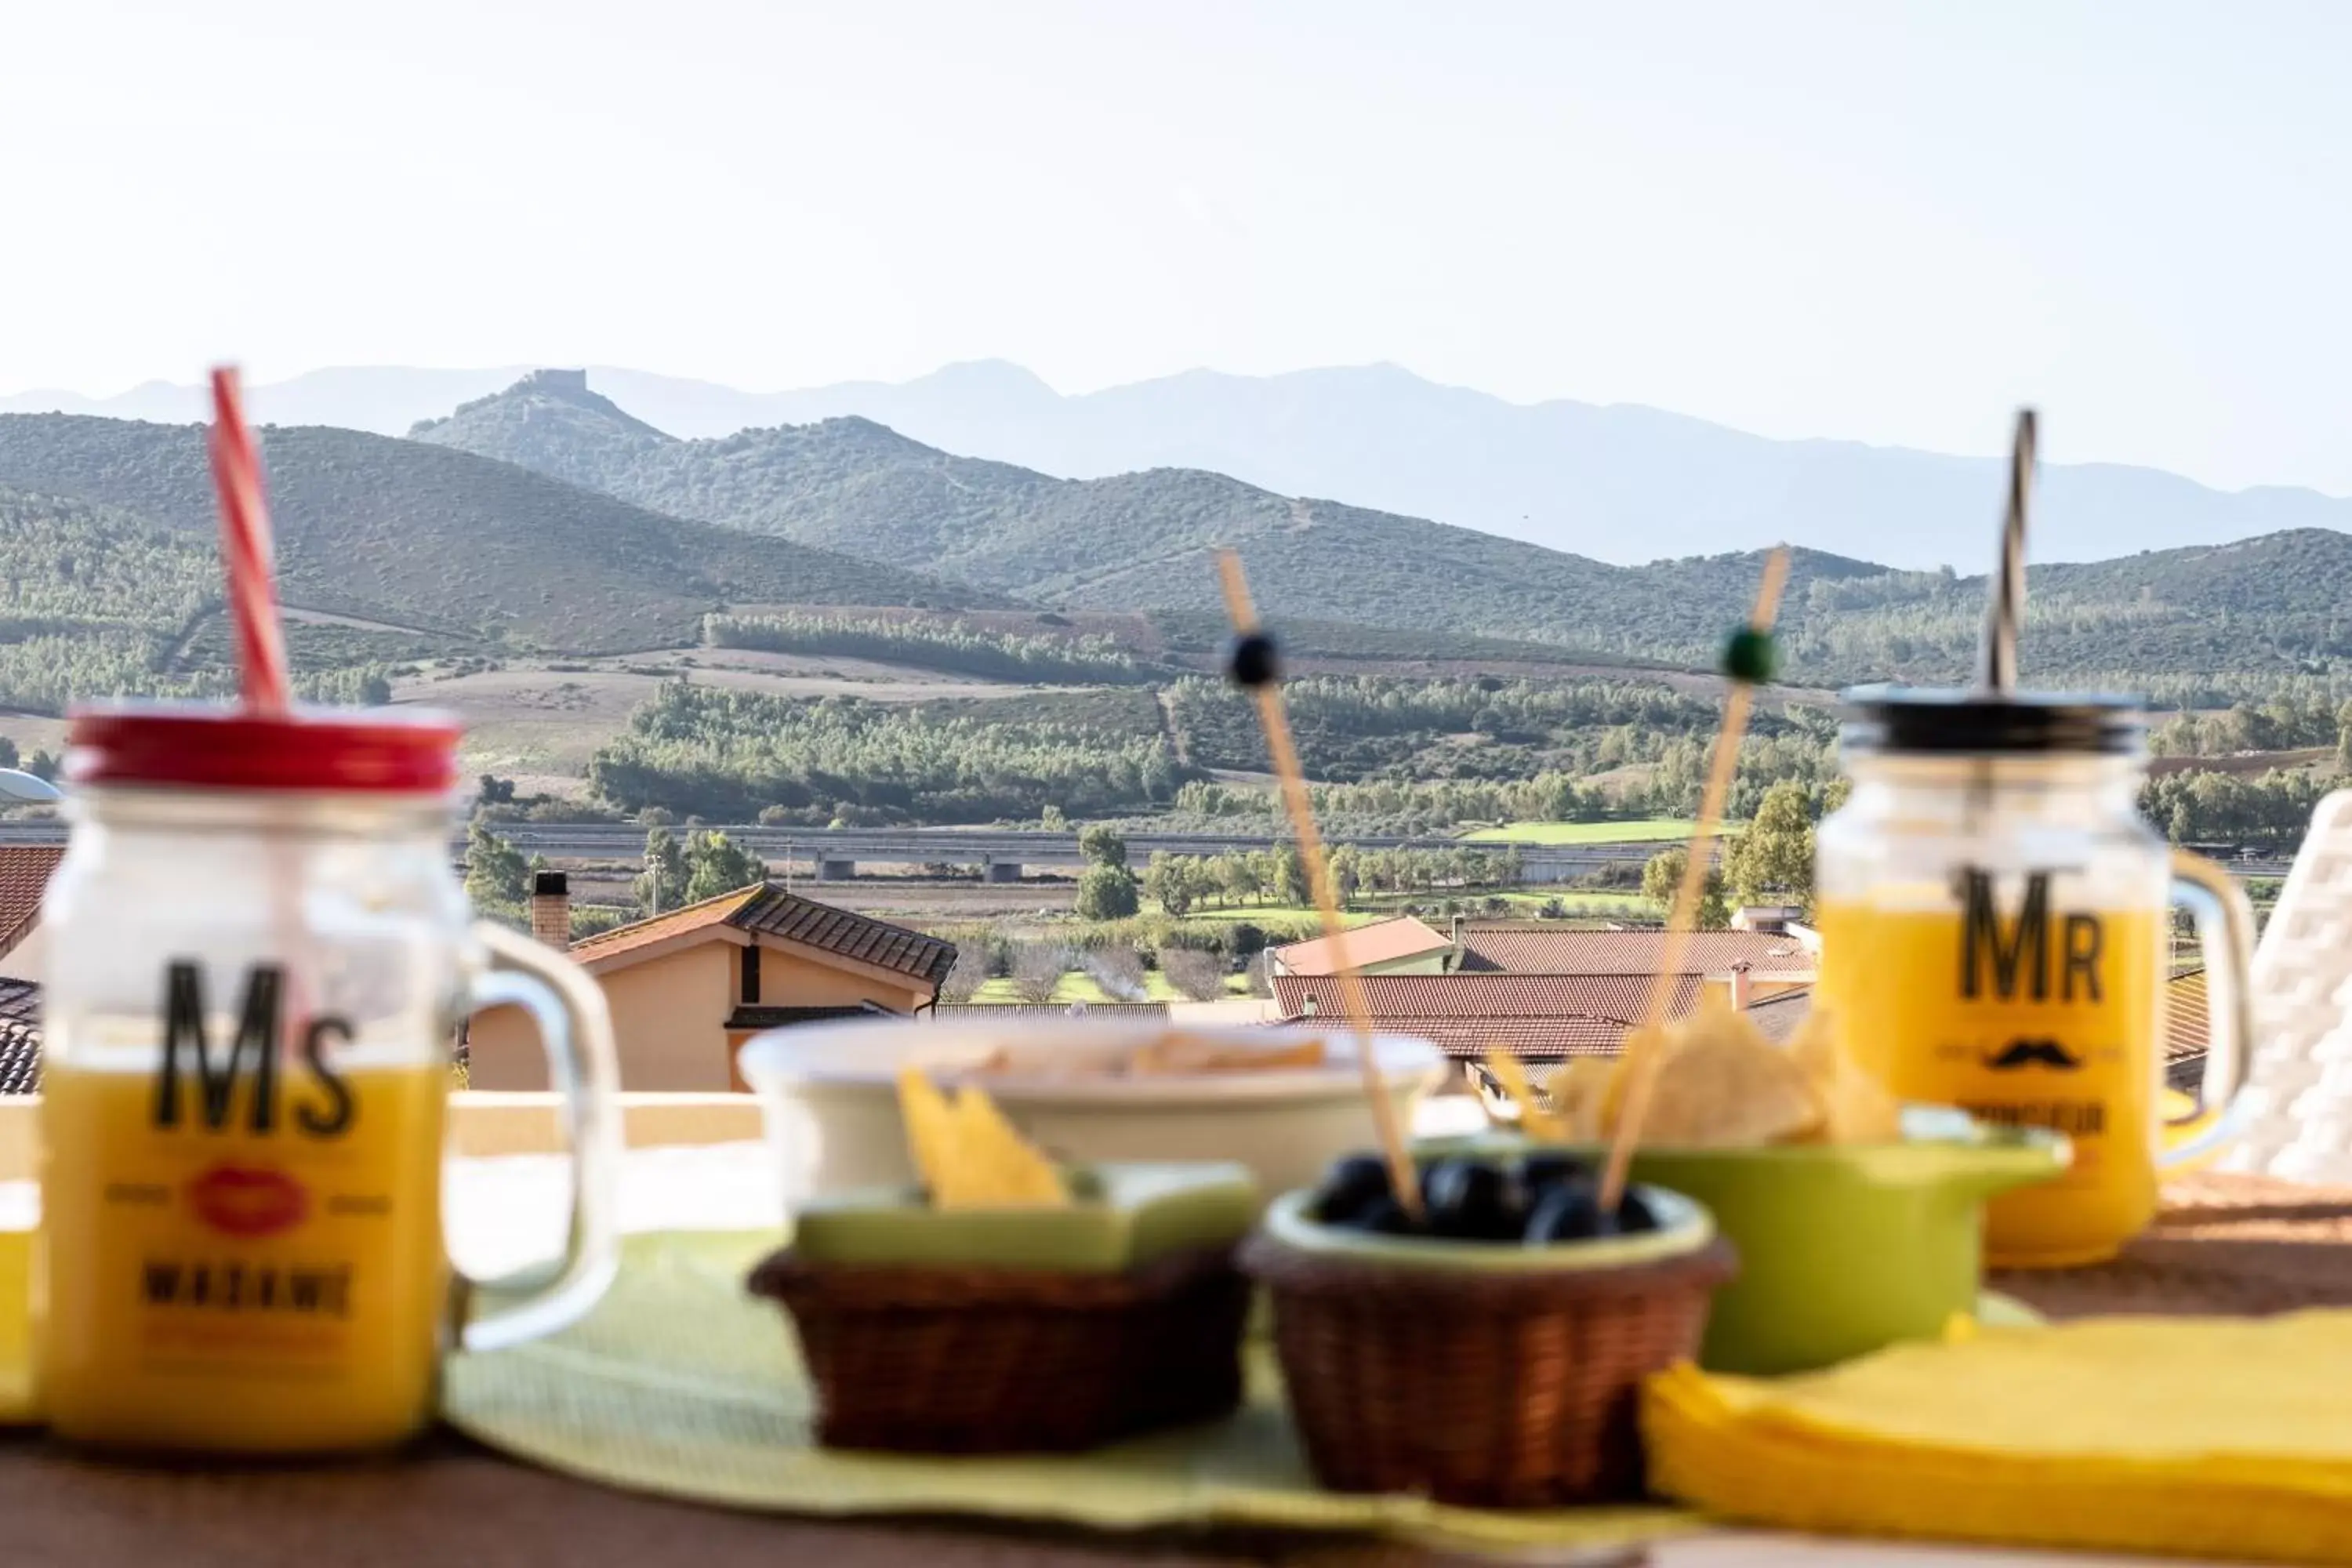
<point>1470,1200</point>
<point>1633,1215</point>
<point>1570,1211</point>
<point>1353,1184</point>
<point>1254,660</point>
<point>1542,1171</point>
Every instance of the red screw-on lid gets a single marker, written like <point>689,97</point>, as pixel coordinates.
<point>373,751</point>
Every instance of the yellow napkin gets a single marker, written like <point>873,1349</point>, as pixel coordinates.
<point>2226,1437</point>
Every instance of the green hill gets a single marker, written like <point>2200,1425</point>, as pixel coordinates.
<point>2231,616</point>
<point>448,543</point>
<point>92,601</point>
<point>1131,541</point>
<point>549,422</point>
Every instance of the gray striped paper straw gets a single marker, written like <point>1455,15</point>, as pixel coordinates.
<point>1997,661</point>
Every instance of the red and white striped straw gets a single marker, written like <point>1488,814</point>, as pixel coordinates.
<point>245,553</point>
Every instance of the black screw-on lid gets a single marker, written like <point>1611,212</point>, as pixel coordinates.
<point>1920,720</point>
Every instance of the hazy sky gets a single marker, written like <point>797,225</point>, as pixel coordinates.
<point>1874,221</point>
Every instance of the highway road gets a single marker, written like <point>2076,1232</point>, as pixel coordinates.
<point>969,847</point>
<point>961,846</point>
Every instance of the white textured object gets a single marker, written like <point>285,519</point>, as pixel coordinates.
<point>2299,1101</point>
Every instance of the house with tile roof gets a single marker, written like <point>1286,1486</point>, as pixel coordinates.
<point>1006,1012</point>
<point>2187,1031</point>
<point>24,872</point>
<point>1771,962</point>
<point>1779,1015</point>
<point>20,1038</point>
<point>1401,946</point>
<point>688,987</point>
<point>1539,1018</point>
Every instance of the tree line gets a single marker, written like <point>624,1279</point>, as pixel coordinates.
<point>1351,728</point>
<point>932,644</point>
<point>735,756</point>
<point>1771,861</point>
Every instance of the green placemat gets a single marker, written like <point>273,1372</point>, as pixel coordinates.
<point>680,1384</point>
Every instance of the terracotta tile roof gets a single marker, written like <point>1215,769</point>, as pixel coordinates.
<point>2186,1037</point>
<point>759,1018</point>
<point>20,1038</point>
<point>776,912</point>
<point>1779,1017</point>
<point>709,912</point>
<point>1538,1015</point>
<point>768,910</point>
<point>1488,996</point>
<point>1001,1012</point>
<point>1378,942</point>
<point>25,870</point>
<point>1524,950</point>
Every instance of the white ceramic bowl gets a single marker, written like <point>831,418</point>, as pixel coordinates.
<point>830,1094</point>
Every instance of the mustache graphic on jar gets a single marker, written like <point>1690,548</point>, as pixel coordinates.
<point>2024,1053</point>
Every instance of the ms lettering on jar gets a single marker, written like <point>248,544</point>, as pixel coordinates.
<point>196,1082</point>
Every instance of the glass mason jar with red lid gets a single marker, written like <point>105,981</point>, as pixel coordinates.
<point>257,957</point>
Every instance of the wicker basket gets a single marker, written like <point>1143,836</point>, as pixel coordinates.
<point>1501,1390</point>
<point>1004,1361</point>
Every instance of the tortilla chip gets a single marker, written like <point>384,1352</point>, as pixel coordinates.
<point>1720,1084</point>
<point>1855,1107</point>
<point>1583,1091</point>
<point>1177,1052</point>
<point>932,1130</point>
<point>967,1155</point>
<point>1003,1169</point>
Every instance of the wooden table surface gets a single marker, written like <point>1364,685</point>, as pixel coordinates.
<point>448,1502</point>
<point>2225,1243</point>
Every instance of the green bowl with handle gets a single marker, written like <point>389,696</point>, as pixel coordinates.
<point>1844,1248</point>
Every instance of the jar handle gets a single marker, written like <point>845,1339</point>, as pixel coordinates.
<point>2225,932</point>
<point>576,1028</point>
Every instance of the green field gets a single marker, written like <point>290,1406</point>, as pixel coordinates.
<point>1260,913</point>
<point>1641,830</point>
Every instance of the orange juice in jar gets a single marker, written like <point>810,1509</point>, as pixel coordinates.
<point>257,954</point>
<point>1995,925</point>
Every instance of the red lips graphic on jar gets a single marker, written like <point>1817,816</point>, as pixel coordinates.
<point>249,1201</point>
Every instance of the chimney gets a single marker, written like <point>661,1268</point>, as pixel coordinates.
<point>1457,934</point>
<point>1739,988</point>
<point>550,908</point>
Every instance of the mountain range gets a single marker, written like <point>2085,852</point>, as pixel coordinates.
<point>1617,483</point>
<point>1142,541</point>
<point>1130,541</point>
<point>549,518</point>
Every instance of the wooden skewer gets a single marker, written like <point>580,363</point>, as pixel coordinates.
<point>1301,811</point>
<point>1642,1068</point>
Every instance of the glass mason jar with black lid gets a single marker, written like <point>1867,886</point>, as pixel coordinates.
<point>1996,926</point>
